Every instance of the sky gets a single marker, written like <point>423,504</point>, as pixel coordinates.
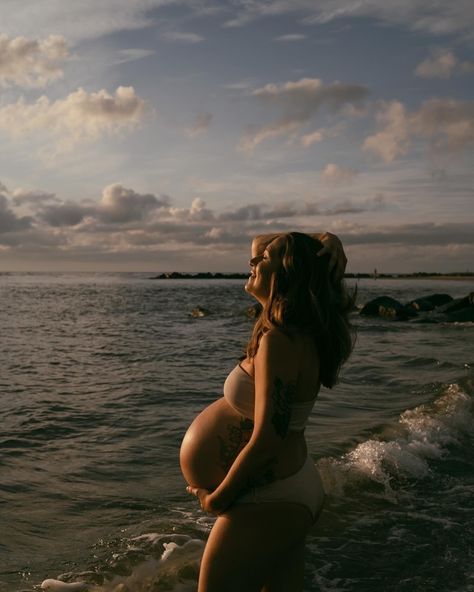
<point>161,135</point>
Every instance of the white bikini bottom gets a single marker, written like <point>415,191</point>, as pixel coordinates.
<point>303,487</point>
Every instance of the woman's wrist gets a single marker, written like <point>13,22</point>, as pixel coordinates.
<point>218,503</point>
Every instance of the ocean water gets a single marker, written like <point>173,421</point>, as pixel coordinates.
<point>102,373</point>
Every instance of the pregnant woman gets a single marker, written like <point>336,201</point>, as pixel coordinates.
<point>245,456</point>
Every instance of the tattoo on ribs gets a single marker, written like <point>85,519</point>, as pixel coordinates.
<point>237,437</point>
<point>283,395</point>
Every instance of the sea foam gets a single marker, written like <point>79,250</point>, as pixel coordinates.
<point>420,434</point>
<point>151,561</point>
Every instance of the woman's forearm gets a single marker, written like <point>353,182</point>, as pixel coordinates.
<point>252,462</point>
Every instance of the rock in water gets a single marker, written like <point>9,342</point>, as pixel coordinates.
<point>462,311</point>
<point>200,312</point>
<point>428,303</point>
<point>459,303</point>
<point>388,308</point>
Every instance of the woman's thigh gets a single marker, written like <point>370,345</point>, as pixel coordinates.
<point>247,544</point>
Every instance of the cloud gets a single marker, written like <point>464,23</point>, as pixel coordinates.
<point>78,20</point>
<point>393,138</point>
<point>201,125</point>
<point>9,222</point>
<point>242,85</point>
<point>80,117</point>
<point>35,198</point>
<point>254,212</point>
<point>447,123</point>
<point>291,37</point>
<point>334,174</point>
<point>428,233</point>
<point>182,37</point>
<point>255,136</point>
<point>118,206</point>
<point>89,18</point>
<point>31,63</point>
<point>442,63</point>
<point>127,226</point>
<point>436,18</point>
<point>121,205</point>
<point>198,212</point>
<point>133,54</point>
<point>298,102</point>
<point>263,212</point>
<point>65,214</point>
<point>349,207</point>
<point>312,138</point>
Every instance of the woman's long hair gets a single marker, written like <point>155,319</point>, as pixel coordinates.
<point>305,295</point>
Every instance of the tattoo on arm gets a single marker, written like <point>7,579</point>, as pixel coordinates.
<point>282,396</point>
<point>236,439</point>
<point>265,477</point>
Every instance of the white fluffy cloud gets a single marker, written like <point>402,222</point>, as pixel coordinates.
<point>31,62</point>
<point>447,123</point>
<point>80,117</point>
<point>335,175</point>
<point>393,138</point>
<point>118,206</point>
<point>198,212</point>
<point>121,205</point>
<point>298,103</point>
<point>442,63</point>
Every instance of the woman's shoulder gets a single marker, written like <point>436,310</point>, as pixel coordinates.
<point>278,341</point>
<point>293,342</point>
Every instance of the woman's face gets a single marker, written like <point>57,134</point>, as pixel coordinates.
<point>266,260</point>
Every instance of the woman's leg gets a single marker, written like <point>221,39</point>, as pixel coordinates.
<point>288,573</point>
<point>250,542</point>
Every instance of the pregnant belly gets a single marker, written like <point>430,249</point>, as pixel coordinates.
<point>211,444</point>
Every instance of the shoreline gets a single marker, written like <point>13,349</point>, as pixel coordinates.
<point>174,275</point>
<point>454,278</point>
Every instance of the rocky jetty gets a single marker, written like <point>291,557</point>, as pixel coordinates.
<point>436,308</point>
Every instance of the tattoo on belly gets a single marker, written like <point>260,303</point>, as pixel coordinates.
<point>236,438</point>
<point>282,396</point>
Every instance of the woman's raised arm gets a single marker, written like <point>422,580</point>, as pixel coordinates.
<point>331,244</point>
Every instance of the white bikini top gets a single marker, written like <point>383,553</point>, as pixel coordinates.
<point>239,392</point>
